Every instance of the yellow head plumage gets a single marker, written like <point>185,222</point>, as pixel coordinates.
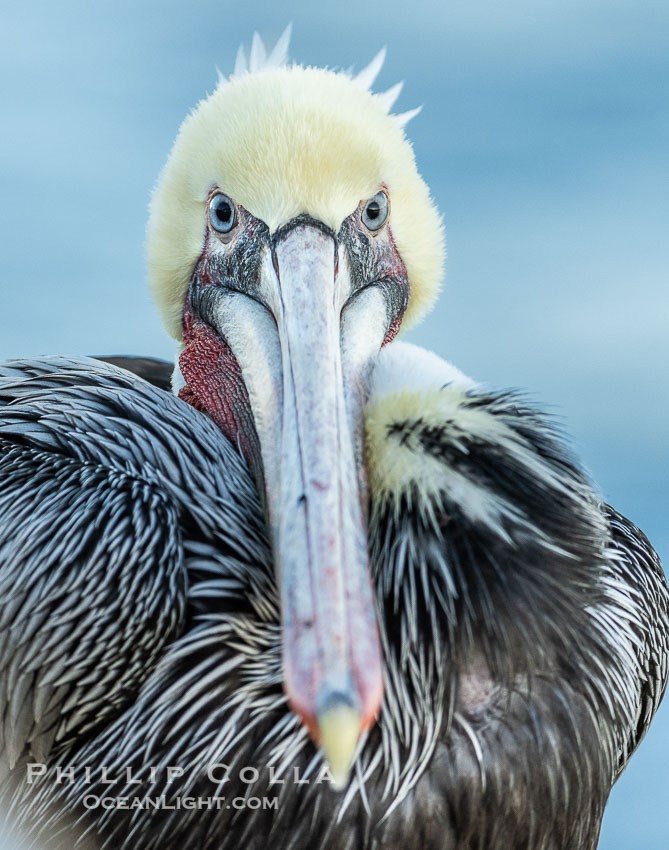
<point>282,141</point>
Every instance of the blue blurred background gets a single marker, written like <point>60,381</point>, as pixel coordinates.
<point>544,137</point>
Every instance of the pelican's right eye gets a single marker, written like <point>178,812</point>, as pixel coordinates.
<point>222,215</point>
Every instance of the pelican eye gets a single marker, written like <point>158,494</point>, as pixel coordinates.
<point>222,213</point>
<point>375,212</point>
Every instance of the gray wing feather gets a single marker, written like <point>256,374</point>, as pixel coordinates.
<point>635,565</point>
<point>151,369</point>
<point>92,584</point>
<point>97,472</point>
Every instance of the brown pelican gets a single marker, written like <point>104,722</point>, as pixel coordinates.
<point>335,594</point>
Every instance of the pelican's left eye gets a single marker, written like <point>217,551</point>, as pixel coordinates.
<point>222,213</point>
<point>375,212</point>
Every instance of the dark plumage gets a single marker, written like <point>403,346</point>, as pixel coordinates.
<point>525,653</point>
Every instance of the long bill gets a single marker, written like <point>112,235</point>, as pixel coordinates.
<point>331,652</point>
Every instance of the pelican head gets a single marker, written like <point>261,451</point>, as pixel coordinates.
<point>290,237</point>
